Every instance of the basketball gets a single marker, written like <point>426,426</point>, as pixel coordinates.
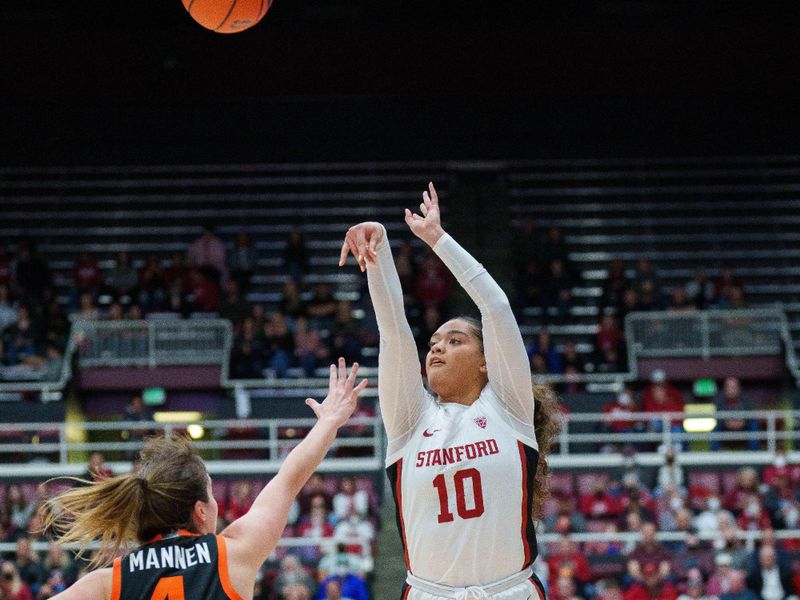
<point>227,16</point>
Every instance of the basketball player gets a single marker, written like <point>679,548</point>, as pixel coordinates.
<point>463,460</point>
<point>169,509</point>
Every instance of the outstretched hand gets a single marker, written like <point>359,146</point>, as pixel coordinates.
<point>342,397</point>
<point>362,241</point>
<point>427,227</point>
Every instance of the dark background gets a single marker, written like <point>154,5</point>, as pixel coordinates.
<point>139,82</point>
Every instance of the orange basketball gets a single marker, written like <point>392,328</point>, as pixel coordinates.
<point>227,16</point>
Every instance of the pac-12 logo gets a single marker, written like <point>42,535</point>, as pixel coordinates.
<point>480,422</point>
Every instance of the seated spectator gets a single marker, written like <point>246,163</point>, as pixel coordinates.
<point>60,571</point>
<point>17,510</point>
<point>32,273</point>
<point>629,303</point>
<point>737,589</point>
<point>529,285</point>
<point>769,580</point>
<point>781,468</point>
<point>295,255</point>
<point>291,303</point>
<point>8,308</point>
<point>136,412</point>
<point>732,400</point>
<point>695,589</point>
<point>670,474</point>
<point>648,552</point>
<point>660,396</point>
<point>29,565</point>
<point>600,503</point>
<point>433,281</point>
<point>292,573</point>
<point>609,337</point>
<point>349,499</point>
<point>633,501</point>
<point>754,516</point>
<point>620,414</point>
<point>571,358</point>
<point>315,487</point>
<point>724,285</point>
<point>616,284</point>
<point>296,591</point>
<point>406,269</point>
<point>321,308</point>
<point>544,347</point>
<point>153,283</point>
<point>239,501</point>
<point>203,293</point>
<point>696,557</point>
<point>605,548</point>
<point>315,525</point>
<point>564,588</point>
<point>356,534</point>
<point>278,344</point>
<point>679,301</point>
<point>557,292</point>
<point>242,261</point>
<point>337,556</point>
<point>653,585</point>
<point>11,585</point>
<point>233,306</point>
<point>554,247</point>
<point>700,290</point>
<point>87,276</point>
<point>6,267</point>
<point>566,519</point>
<point>207,255</point>
<point>708,521</point>
<point>123,279</point>
<point>96,469</point>
<point>343,586</point>
<point>21,340</point>
<point>567,560</point>
<point>345,333</point>
<point>747,485</point>
<point>720,580</point>
<point>308,347</point>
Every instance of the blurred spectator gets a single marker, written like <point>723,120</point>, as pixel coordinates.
<point>96,469</point>
<point>29,564</point>
<point>708,521</point>
<point>343,586</point>
<point>336,557</point>
<point>529,285</point>
<point>55,324</point>
<point>696,557</point>
<point>609,337</point>
<point>648,553</point>
<point>17,510</point>
<point>737,589</point>
<point>630,303</point>
<point>87,309</point>
<point>754,517</point>
<point>564,587</point>
<point>700,290</point>
<point>566,518</point>
<point>136,412</point>
<point>652,586</point>
<point>554,247</point>
<point>356,534</point>
<point>292,573</point>
<point>769,580</point>
<point>732,400</point>
<point>406,269</point>
<point>526,245</point>
<point>123,278</point>
<point>233,306</point>
<point>278,344</point>
<point>86,274</point>
<point>544,347</point>
<point>11,586</point>
<point>321,307</point>
<point>239,501</point>
<point>207,254</point>
<point>345,333</point>
<point>736,299</point>
<point>433,281</point>
<point>571,359</point>
<point>8,308</point>
<point>620,414</point>
<point>243,261</point>
<point>600,503</point>
<point>605,548</point>
<point>557,292</point>
<point>31,270</point>
<point>308,347</point>
<point>21,340</point>
<point>646,284</point>
<point>6,266</point>
<point>695,589</point>
<point>609,589</point>
<point>154,281</point>
<point>259,315</point>
<point>746,486</point>
<point>59,569</point>
<point>291,304</point>
<point>314,487</point>
<point>567,560</point>
<point>724,285</point>
<point>247,355</point>
<point>781,468</point>
<point>115,312</point>
<point>616,284</point>
<point>670,474</point>
<point>349,499</point>
<point>295,256</point>
<point>315,525</point>
<point>427,325</point>
<point>661,396</point>
<point>203,294</point>
<point>296,591</point>
<point>680,301</point>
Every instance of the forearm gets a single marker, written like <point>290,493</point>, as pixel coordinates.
<point>386,292</point>
<point>304,459</point>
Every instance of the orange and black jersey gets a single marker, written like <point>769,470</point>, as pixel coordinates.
<point>179,566</point>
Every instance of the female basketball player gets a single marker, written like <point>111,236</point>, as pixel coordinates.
<point>168,507</point>
<point>463,460</point>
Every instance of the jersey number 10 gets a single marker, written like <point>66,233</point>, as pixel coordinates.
<point>459,481</point>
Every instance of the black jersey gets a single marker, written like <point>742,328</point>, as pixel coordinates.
<point>180,566</point>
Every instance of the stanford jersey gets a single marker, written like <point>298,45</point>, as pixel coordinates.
<point>462,476</point>
<point>181,566</point>
<point>463,485</point>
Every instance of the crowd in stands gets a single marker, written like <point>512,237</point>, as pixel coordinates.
<point>340,510</point>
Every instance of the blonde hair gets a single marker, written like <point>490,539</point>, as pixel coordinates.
<point>133,508</point>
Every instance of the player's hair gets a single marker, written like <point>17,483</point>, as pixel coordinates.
<point>135,507</point>
<point>547,424</point>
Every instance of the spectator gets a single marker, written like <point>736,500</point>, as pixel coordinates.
<point>544,347</point>
<point>243,261</point>
<point>680,301</point>
<point>240,500</point>
<point>724,285</point>
<point>529,285</point>
<point>660,396</point>
<point>700,290</point>
<point>630,303</point>
<point>308,347</point>
<point>233,306</point>
<point>6,267</point>
<point>554,247</point>
<point>696,558</point>
<point>732,400</point>
<point>32,272</point>
<point>345,586</point>
<point>21,340</point>
<point>345,333</point>
<point>356,534</point>
<point>86,274</point>
<point>433,282</point>
<point>8,308</point>
<point>570,358</point>
<point>292,573</point>
<point>567,560</point>
<point>747,485</point>
<point>564,588</point>
<point>605,548</point>
<point>55,324</point>
<point>616,284</point>
<point>349,500</point>
<point>11,586</point>
<point>123,278</point>
<point>737,589</point>
<point>291,303</point>
<point>59,569</point>
<point>646,283</point>
<point>609,337</point>
<point>203,294</point>
<point>428,324</point>
<point>207,254</point>
<point>406,269</point>
<point>670,474</point>
<point>677,518</point>
<point>295,256</point>
<point>600,503</point>
<point>652,586</point>
<point>278,344</point>
<point>620,414</point>
<point>316,525</point>
<point>296,591</point>
<point>321,308</point>
<point>96,470</point>
<point>336,557</point>
<point>17,510</point>
<point>708,521</point>
<point>695,589</point>
<point>566,519</point>
<point>87,309</point>
<point>29,564</point>
<point>780,468</point>
<point>648,552</point>
<point>769,581</point>
<point>754,516</point>
<point>526,245</point>
<point>314,488</point>
<point>557,292</point>
<point>136,412</point>
<point>154,282</point>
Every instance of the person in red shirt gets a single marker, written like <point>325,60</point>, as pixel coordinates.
<point>755,516</point>
<point>652,587</point>
<point>746,486</point>
<point>86,273</point>
<point>568,561</point>
<point>600,504</point>
<point>621,411</point>
<point>205,295</point>
<point>660,397</point>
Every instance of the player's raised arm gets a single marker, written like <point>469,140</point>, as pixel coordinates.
<point>506,359</point>
<point>253,536</point>
<point>400,391</point>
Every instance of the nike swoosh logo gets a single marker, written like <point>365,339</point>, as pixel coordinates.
<point>429,433</point>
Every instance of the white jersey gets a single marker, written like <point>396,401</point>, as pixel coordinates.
<point>462,476</point>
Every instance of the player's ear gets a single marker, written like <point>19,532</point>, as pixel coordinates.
<point>482,368</point>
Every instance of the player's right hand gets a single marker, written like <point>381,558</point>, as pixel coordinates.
<point>342,397</point>
<point>362,242</point>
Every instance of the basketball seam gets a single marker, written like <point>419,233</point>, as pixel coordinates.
<point>230,11</point>
<point>189,7</point>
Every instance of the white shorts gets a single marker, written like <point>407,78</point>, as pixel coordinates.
<point>523,591</point>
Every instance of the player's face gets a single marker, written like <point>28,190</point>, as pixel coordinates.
<point>454,359</point>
